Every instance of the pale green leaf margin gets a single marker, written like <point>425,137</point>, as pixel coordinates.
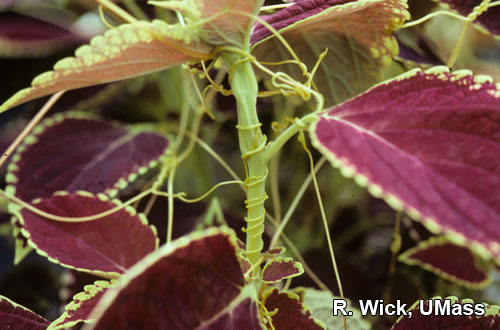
<point>295,295</point>
<point>297,265</point>
<point>435,241</point>
<point>165,250</point>
<point>112,191</point>
<point>122,183</point>
<point>350,171</point>
<point>16,212</point>
<point>476,24</point>
<point>132,33</point>
<point>89,291</point>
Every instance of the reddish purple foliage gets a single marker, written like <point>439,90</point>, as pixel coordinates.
<point>278,269</point>
<point>302,9</point>
<point>424,54</point>
<point>83,154</point>
<point>82,305</point>
<point>27,36</point>
<point>183,289</point>
<point>243,317</point>
<point>432,141</point>
<point>26,29</point>
<point>451,259</point>
<point>490,19</point>
<point>14,317</point>
<point>111,244</point>
<point>290,314</point>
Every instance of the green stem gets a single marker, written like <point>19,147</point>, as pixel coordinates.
<point>252,144</point>
<point>274,147</point>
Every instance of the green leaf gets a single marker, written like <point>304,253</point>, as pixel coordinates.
<point>127,51</point>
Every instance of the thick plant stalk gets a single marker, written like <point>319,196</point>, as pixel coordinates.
<point>252,144</point>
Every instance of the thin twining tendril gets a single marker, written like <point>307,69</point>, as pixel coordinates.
<point>217,87</point>
<point>120,206</point>
<point>255,224</point>
<point>287,85</point>
<point>252,267</point>
<point>478,10</point>
<point>103,18</point>
<point>279,127</point>
<point>282,235</point>
<point>278,35</point>
<point>181,195</point>
<point>124,15</point>
<point>302,140</point>
<point>268,315</point>
<point>258,145</point>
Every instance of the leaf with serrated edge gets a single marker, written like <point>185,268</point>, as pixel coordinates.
<point>356,33</point>
<point>489,20</point>
<point>105,247</point>
<point>280,268</point>
<point>77,151</point>
<point>16,317</point>
<point>129,50</point>
<point>320,304</point>
<point>199,272</point>
<point>288,312</point>
<point>489,321</point>
<point>429,144</point>
<point>82,305</point>
<point>434,256</point>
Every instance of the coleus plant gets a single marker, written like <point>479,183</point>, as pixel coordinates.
<point>425,141</point>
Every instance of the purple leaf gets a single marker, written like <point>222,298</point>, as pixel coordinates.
<point>429,144</point>
<point>418,52</point>
<point>194,282</point>
<point>461,315</point>
<point>453,262</point>
<point>290,313</point>
<point>105,247</point>
<point>24,36</point>
<point>281,268</point>
<point>71,154</point>
<point>17,317</point>
<point>82,305</point>
<point>358,35</point>
<point>489,19</point>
